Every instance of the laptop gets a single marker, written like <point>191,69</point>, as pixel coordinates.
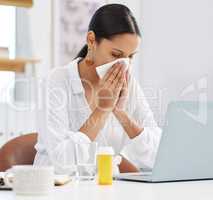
<point>186,148</point>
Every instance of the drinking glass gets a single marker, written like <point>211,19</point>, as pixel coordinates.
<point>86,160</point>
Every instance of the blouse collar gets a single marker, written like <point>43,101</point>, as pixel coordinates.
<point>76,82</point>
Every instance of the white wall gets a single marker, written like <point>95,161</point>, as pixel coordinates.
<point>34,40</point>
<point>178,46</point>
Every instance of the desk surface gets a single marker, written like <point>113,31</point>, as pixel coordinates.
<point>202,190</point>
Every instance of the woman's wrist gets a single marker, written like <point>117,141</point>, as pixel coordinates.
<point>101,112</point>
<point>94,123</point>
<point>118,112</point>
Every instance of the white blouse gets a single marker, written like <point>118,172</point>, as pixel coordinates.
<point>66,110</point>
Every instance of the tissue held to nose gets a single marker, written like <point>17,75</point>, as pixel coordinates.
<point>102,69</point>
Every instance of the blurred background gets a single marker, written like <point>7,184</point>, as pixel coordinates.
<point>175,60</point>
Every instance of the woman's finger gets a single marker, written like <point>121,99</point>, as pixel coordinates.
<point>117,78</point>
<point>119,86</point>
<point>114,75</point>
<point>118,83</point>
<point>127,77</point>
<point>110,71</point>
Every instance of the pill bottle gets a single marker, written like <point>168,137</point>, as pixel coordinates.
<point>105,165</point>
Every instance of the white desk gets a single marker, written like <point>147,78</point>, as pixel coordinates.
<point>120,190</point>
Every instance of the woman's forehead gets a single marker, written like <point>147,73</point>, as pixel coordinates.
<point>127,43</point>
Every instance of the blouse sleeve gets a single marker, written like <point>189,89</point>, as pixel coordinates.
<point>142,149</point>
<point>59,139</point>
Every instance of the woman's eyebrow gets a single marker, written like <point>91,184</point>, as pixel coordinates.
<point>123,52</point>
<point>118,50</point>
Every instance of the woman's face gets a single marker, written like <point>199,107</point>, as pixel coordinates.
<point>120,46</point>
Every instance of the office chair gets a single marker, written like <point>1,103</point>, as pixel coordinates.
<point>18,151</point>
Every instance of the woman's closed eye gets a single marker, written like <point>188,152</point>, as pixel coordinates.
<point>120,56</point>
<point>116,55</point>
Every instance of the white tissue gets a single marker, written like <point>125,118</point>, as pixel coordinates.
<point>102,69</point>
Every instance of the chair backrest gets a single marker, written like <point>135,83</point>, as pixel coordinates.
<point>18,151</point>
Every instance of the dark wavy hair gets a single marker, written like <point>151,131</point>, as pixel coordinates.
<point>111,20</point>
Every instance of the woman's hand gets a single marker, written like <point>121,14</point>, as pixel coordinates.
<point>107,96</point>
<point>127,167</point>
<point>110,87</point>
<point>123,97</point>
<point>131,127</point>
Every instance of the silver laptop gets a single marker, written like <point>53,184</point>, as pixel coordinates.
<point>186,148</point>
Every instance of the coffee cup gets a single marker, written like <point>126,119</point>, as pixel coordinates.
<point>30,180</point>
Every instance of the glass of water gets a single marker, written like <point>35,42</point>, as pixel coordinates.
<point>66,163</point>
<point>86,160</point>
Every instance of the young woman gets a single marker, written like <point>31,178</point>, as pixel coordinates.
<point>111,111</point>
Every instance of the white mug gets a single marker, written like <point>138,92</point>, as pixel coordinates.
<point>31,180</point>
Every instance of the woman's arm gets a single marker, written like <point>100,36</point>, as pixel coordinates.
<point>97,120</point>
<point>139,124</point>
<point>131,127</point>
